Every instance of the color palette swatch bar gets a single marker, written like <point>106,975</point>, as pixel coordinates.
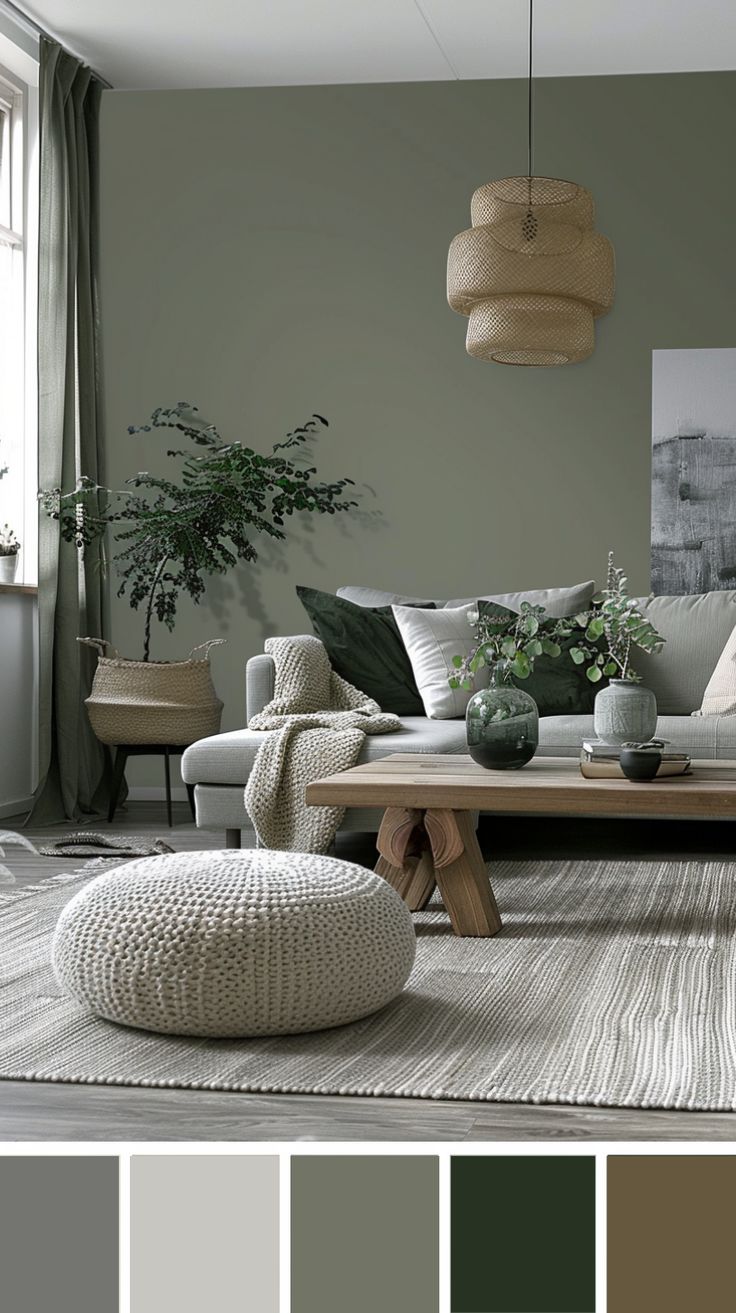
<point>364,1234</point>
<point>671,1234</point>
<point>59,1235</point>
<point>523,1235</point>
<point>204,1233</point>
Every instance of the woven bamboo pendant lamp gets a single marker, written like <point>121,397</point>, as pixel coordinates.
<point>532,274</point>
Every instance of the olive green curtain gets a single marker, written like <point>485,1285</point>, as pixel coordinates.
<point>73,767</point>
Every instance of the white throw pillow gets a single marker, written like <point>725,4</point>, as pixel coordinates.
<point>432,639</point>
<point>719,698</point>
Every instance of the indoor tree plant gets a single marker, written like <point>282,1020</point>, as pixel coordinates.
<point>171,533</point>
<point>9,549</point>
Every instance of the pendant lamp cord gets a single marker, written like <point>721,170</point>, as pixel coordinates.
<point>530,142</point>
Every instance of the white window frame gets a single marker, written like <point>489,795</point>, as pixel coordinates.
<point>19,92</point>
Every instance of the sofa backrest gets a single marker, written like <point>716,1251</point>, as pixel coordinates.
<point>696,628</point>
<point>557,601</point>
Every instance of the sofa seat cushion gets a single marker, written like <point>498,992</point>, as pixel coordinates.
<point>701,736</point>
<point>697,629</point>
<point>228,758</point>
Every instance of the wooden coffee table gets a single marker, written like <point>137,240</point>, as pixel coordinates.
<point>427,834</point>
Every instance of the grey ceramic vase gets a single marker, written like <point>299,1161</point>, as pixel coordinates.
<point>625,712</point>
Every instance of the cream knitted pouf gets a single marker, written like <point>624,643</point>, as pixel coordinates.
<point>235,943</point>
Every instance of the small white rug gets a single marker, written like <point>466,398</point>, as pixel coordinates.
<point>611,983</point>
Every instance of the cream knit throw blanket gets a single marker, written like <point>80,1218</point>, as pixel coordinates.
<point>318,723</point>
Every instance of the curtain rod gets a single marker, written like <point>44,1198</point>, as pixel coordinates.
<point>33,28</point>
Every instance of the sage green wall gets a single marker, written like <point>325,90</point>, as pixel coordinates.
<point>270,252</point>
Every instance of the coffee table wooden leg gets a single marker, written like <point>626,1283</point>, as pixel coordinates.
<point>461,873</point>
<point>405,857</point>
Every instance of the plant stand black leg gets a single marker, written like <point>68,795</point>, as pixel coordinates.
<point>118,775</point>
<point>190,795</point>
<point>167,773</point>
<point>232,838</point>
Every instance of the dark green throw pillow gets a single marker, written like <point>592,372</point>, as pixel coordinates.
<point>558,686</point>
<point>365,647</point>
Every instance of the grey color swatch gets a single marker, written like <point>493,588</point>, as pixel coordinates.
<point>204,1234</point>
<point>364,1234</point>
<point>59,1235</point>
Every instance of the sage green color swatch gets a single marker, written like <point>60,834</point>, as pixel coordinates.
<point>204,1233</point>
<point>59,1228</point>
<point>364,1234</point>
<point>523,1235</point>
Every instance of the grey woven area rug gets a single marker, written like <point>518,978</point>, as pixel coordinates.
<point>611,983</point>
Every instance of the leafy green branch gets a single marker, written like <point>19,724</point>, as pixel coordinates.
<point>514,640</point>
<point>610,632</point>
<point>603,636</point>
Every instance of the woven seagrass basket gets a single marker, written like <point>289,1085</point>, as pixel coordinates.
<point>162,702</point>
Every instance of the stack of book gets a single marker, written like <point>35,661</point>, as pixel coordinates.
<point>601,761</point>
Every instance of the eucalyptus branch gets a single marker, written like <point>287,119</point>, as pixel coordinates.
<point>611,629</point>
<point>603,636</point>
<point>515,640</point>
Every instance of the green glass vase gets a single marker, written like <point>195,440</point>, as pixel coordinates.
<point>502,723</point>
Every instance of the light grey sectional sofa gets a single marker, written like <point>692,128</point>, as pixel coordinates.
<point>696,629</point>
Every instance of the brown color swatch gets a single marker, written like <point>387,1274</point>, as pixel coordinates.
<point>670,1234</point>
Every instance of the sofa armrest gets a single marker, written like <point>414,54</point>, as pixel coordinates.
<point>259,684</point>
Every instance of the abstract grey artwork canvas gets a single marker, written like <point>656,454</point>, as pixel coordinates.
<point>693,470</point>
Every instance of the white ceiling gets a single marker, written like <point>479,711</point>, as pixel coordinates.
<point>224,43</point>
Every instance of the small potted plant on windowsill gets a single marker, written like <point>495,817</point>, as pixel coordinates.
<point>9,549</point>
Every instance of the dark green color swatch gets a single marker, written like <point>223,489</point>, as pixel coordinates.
<point>364,1234</point>
<point>523,1235</point>
<point>59,1235</point>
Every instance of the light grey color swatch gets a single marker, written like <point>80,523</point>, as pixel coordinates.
<point>364,1234</point>
<point>59,1235</point>
<point>204,1234</point>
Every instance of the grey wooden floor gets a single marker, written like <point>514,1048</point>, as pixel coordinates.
<point>39,1111</point>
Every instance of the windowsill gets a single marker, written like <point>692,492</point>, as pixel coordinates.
<point>30,589</point>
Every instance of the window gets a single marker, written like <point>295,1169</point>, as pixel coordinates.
<point>18,408</point>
